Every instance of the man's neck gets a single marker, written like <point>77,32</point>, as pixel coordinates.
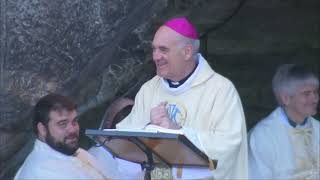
<point>189,72</point>
<point>295,116</point>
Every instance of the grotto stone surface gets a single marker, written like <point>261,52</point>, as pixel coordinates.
<point>93,51</point>
<point>80,48</point>
<point>96,51</point>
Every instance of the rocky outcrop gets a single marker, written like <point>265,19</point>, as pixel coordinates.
<point>84,49</point>
<point>96,51</point>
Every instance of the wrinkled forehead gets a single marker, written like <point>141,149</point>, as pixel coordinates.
<point>311,83</point>
<point>166,37</point>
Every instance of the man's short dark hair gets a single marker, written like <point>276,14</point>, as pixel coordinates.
<point>48,103</point>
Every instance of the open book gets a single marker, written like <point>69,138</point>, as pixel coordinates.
<point>162,129</point>
<point>150,129</point>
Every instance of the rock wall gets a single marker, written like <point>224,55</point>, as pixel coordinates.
<point>81,48</point>
<point>96,51</point>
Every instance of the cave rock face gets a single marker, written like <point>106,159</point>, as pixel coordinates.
<point>79,48</point>
<point>89,50</point>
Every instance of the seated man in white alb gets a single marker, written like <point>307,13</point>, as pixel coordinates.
<point>56,153</point>
<point>285,145</point>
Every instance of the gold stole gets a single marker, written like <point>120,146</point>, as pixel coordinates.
<point>88,165</point>
<point>306,165</point>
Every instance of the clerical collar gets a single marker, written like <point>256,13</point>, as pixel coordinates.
<point>174,84</point>
<point>293,123</point>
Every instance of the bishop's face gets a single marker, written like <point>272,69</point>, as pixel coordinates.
<point>169,55</point>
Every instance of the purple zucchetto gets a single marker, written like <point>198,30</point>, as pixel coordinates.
<point>182,26</point>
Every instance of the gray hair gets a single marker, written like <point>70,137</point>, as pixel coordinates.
<point>195,43</point>
<point>289,77</point>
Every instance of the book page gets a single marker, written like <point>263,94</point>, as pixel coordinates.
<point>151,128</point>
<point>163,130</point>
<point>133,130</point>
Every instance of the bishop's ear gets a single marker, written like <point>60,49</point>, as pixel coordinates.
<point>42,130</point>
<point>188,51</point>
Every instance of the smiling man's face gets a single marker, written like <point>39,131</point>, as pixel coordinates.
<point>169,55</point>
<point>62,133</point>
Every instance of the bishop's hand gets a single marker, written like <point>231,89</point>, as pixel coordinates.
<point>159,116</point>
